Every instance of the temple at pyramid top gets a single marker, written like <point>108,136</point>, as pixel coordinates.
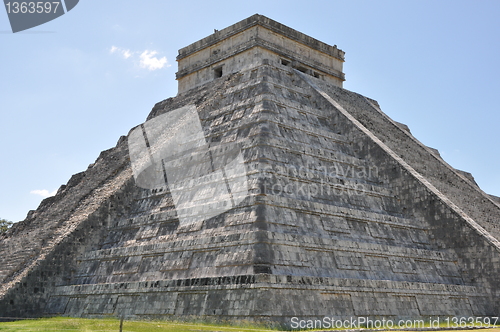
<point>244,44</point>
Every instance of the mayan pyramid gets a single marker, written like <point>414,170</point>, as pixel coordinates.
<point>262,191</point>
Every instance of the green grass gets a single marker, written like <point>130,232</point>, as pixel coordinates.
<point>91,325</point>
<point>94,325</point>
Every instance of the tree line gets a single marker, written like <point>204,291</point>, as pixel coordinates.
<point>4,225</point>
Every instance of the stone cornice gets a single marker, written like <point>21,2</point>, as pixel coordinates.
<point>254,42</point>
<point>266,23</point>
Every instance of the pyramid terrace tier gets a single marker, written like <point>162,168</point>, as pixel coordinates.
<point>273,297</point>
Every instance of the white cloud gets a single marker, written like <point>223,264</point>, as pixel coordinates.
<point>44,193</point>
<point>147,59</point>
<point>126,54</point>
<point>150,62</point>
<point>123,52</point>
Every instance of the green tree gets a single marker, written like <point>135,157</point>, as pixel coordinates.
<point>4,225</point>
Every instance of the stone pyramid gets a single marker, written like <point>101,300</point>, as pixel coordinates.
<point>263,191</point>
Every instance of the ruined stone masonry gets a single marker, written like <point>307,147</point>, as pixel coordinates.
<point>344,212</point>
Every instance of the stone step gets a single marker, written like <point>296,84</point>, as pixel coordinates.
<point>235,239</point>
<point>336,221</point>
<point>341,297</point>
<point>334,208</point>
<point>320,255</point>
<point>328,154</point>
<point>344,284</point>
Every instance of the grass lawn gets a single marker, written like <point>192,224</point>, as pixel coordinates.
<point>91,325</point>
<point>80,324</point>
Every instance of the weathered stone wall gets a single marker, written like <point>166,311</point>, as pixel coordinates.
<point>456,187</point>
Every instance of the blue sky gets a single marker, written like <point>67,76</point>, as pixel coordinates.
<point>71,87</point>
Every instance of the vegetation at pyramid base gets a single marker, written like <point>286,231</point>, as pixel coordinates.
<point>113,324</point>
<point>4,225</point>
